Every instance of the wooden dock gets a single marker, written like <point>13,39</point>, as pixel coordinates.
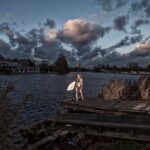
<point>95,105</point>
<point>128,120</point>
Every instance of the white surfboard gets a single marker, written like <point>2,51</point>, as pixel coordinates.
<point>71,86</point>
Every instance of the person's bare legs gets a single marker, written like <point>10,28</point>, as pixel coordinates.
<point>77,98</point>
<point>81,93</point>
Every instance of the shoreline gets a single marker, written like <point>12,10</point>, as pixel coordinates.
<point>31,73</point>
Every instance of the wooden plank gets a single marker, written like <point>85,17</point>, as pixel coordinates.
<point>98,110</point>
<point>95,124</point>
<point>106,117</point>
<point>92,102</point>
<point>96,105</point>
<point>103,124</point>
<point>120,135</point>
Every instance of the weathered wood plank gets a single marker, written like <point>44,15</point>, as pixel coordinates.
<point>119,135</point>
<point>98,106</point>
<point>104,124</point>
<point>140,119</point>
<point>123,127</point>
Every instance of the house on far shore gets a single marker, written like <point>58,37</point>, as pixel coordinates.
<point>18,66</point>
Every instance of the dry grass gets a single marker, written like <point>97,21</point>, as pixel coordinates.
<point>127,90</point>
<point>7,115</point>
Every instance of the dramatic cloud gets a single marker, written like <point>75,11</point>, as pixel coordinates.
<point>109,5</point>
<point>81,34</point>
<point>36,43</point>
<point>111,56</point>
<point>46,43</point>
<point>50,23</point>
<point>141,55</point>
<point>145,45</point>
<point>120,23</point>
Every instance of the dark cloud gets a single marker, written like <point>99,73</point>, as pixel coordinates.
<point>142,6</point>
<point>46,43</point>
<point>139,5</point>
<point>120,22</point>
<point>113,58</point>
<point>148,11</point>
<point>90,56</point>
<point>50,51</point>
<point>109,5</point>
<point>143,50</point>
<point>137,24</point>
<point>110,56</point>
<point>139,55</point>
<point>4,48</point>
<point>123,42</point>
<point>136,39</point>
<point>5,28</point>
<point>106,4</point>
<point>126,41</point>
<point>36,43</point>
<point>135,31</point>
<point>140,22</point>
<point>50,23</point>
<point>120,3</point>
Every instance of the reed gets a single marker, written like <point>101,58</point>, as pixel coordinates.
<point>127,89</point>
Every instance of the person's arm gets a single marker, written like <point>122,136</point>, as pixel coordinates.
<point>75,84</point>
<point>81,83</point>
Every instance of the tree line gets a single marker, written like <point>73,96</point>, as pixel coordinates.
<point>61,66</point>
<point>134,66</point>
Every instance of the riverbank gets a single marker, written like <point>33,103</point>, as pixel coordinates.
<point>53,72</point>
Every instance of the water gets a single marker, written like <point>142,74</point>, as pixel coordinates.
<point>48,91</point>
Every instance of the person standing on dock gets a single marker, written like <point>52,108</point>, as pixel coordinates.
<point>79,87</point>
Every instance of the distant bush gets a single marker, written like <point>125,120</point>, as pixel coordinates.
<point>127,89</point>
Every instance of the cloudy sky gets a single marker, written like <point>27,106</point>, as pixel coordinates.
<point>89,32</point>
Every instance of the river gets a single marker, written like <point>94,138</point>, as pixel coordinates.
<point>48,91</point>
